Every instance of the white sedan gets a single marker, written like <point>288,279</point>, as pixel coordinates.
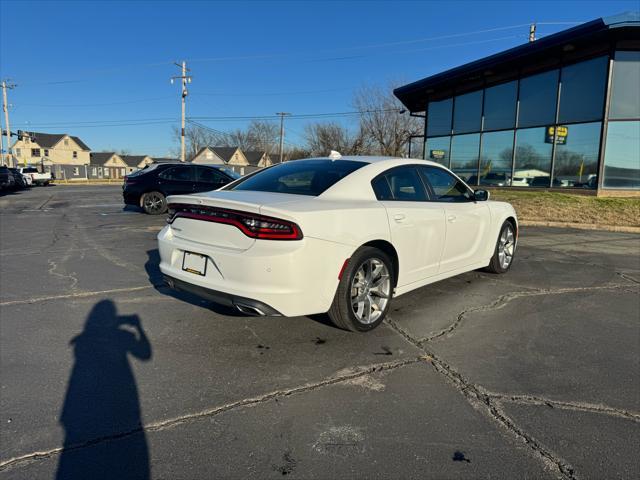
<point>339,235</point>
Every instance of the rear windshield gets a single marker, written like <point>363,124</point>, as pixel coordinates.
<point>30,170</point>
<point>300,177</point>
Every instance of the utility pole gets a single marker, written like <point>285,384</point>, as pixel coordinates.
<point>185,79</point>
<point>532,32</point>
<point>282,115</point>
<point>5,107</point>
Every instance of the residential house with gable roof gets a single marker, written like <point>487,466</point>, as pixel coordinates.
<point>231,156</point>
<point>64,155</point>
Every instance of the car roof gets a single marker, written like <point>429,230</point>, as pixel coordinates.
<point>377,159</point>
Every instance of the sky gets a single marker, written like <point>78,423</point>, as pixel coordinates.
<point>101,69</point>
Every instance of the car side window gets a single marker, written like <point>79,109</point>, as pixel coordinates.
<point>446,187</point>
<point>181,174</point>
<point>381,188</point>
<point>403,184</point>
<point>210,175</point>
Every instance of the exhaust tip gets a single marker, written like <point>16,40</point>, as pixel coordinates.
<point>249,310</point>
<point>169,282</point>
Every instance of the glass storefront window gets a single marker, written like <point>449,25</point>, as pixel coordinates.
<point>439,117</point>
<point>500,106</point>
<point>622,155</point>
<point>464,155</point>
<point>495,158</point>
<point>576,158</point>
<point>437,150</point>
<point>625,86</point>
<point>582,91</point>
<point>467,112</point>
<point>532,158</point>
<point>538,95</point>
<point>416,144</point>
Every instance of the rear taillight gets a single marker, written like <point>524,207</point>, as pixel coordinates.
<point>129,181</point>
<point>251,224</point>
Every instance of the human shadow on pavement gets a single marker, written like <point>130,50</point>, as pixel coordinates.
<point>102,400</point>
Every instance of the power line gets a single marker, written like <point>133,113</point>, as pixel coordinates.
<point>70,105</point>
<point>101,72</point>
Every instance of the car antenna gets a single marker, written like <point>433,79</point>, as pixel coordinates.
<point>334,155</point>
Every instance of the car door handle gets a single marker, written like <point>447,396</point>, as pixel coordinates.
<point>451,218</point>
<point>399,217</point>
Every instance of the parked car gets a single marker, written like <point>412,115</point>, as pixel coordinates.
<point>544,182</point>
<point>37,177</point>
<point>520,182</point>
<point>6,178</point>
<point>20,180</point>
<point>337,235</point>
<point>148,188</point>
<point>490,180</point>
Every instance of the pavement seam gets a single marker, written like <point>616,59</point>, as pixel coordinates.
<point>211,412</point>
<point>564,405</point>
<point>503,300</point>
<point>74,295</point>
<point>477,398</point>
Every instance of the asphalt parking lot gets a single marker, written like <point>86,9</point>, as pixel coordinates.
<point>107,374</point>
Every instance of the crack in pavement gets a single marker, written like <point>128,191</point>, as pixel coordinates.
<point>503,300</point>
<point>75,295</point>
<point>563,405</point>
<point>355,373</point>
<point>489,406</point>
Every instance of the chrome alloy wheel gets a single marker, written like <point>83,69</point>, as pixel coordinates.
<point>153,202</point>
<point>370,290</point>
<point>506,246</point>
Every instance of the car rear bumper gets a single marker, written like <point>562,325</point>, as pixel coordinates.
<point>291,278</point>
<point>131,198</point>
<point>248,306</point>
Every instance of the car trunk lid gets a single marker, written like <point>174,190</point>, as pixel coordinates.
<point>225,235</point>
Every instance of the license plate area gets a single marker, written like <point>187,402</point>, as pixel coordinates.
<point>194,263</point>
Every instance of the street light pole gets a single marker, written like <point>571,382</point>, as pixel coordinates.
<point>5,107</point>
<point>185,79</point>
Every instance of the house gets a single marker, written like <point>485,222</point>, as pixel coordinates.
<point>231,156</point>
<point>64,155</point>
<point>258,159</point>
<point>106,165</point>
<point>136,162</point>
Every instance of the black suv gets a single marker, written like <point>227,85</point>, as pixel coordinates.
<point>149,188</point>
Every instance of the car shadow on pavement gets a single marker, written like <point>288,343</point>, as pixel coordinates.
<point>102,400</point>
<point>152,267</point>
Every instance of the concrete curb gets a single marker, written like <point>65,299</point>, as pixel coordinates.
<point>580,226</point>
<point>83,183</point>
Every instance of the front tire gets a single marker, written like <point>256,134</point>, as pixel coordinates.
<point>154,203</point>
<point>364,292</point>
<point>505,249</point>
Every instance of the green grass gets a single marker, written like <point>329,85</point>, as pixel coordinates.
<point>572,208</point>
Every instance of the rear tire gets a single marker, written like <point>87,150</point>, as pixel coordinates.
<point>504,251</point>
<point>154,203</point>
<point>364,292</point>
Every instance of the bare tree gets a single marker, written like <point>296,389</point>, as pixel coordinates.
<point>196,138</point>
<point>263,136</point>
<point>321,138</point>
<point>385,129</point>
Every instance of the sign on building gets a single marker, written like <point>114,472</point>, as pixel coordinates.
<point>561,132</point>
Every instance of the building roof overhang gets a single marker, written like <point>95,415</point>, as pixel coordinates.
<point>583,41</point>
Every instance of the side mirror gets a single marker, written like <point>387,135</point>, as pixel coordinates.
<point>481,195</point>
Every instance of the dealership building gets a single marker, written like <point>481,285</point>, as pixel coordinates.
<point>561,112</point>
